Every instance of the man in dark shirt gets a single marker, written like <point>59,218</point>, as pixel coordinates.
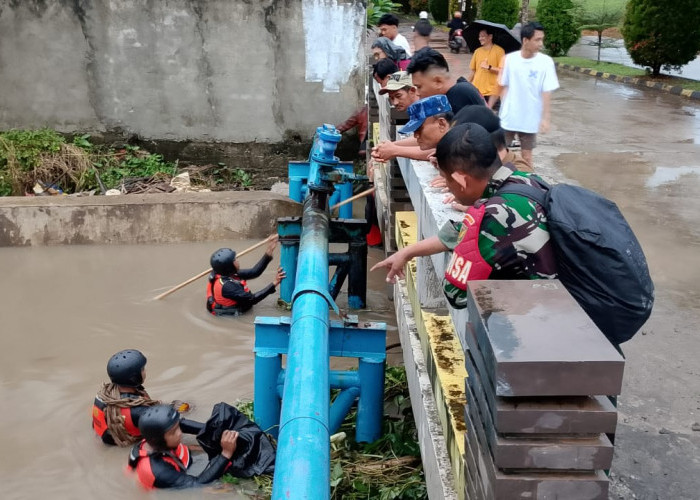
<point>227,291</point>
<point>456,23</point>
<point>431,76</point>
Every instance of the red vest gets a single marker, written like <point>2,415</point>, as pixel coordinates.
<point>467,263</point>
<point>214,297</point>
<point>143,469</point>
<point>99,420</point>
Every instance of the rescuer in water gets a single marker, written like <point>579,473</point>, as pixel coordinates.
<point>227,291</point>
<point>161,460</point>
<point>119,405</point>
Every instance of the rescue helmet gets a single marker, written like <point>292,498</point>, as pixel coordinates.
<point>125,367</point>
<point>222,261</point>
<point>155,422</point>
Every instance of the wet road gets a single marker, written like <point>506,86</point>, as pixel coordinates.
<point>65,310</point>
<point>642,150</point>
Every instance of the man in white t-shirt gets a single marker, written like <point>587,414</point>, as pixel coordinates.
<point>527,80</point>
<point>388,26</point>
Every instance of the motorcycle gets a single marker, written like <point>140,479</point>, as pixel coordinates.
<point>456,42</point>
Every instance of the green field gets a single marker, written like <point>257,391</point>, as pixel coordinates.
<point>591,5</point>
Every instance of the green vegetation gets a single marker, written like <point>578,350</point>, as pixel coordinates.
<point>377,8</point>
<point>619,69</point>
<point>562,29</point>
<point>387,469</point>
<point>662,33</point>
<point>59,165</point>
<point>599,20</point>
<point>591,5</point>
<point>501,11</point>
<point>440,9</point>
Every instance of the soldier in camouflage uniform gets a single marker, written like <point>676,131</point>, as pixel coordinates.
<point>501,236</point>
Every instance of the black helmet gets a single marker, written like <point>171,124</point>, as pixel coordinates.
<point>155,422</point>
<point>124,368</point>
<point>222,261</point>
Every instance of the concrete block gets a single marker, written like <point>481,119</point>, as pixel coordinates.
<point>541,415</point>
<point>537,341</point>
<point>501,485</point>
<point>553,452</point>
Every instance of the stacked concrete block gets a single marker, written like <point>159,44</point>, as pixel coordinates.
<point>537,413</point>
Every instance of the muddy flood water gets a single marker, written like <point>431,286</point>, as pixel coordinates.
<point>66,310</point>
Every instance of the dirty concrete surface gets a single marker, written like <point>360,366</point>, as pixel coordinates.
<point>640,148</point>
<point>66,310</point>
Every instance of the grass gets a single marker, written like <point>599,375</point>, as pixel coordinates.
<point>591,4</point>
<point>621,70</point>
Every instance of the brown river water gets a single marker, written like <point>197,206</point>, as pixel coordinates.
<point>66,310</point>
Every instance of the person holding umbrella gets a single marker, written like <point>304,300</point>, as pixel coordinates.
<point>485,66</point>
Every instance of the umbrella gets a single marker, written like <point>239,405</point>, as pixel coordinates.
<point>501,36</point>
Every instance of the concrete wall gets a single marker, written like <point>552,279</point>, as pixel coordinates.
<point>213,70</point>
<point>149,218</point>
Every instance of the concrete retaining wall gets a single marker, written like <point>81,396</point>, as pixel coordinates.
<point>149,218</point>
<point>211,70</point>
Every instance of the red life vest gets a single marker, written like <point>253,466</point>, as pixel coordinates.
<point>99,420</point>
<point>179,459</point>
<point>466,262</point>
<point>215,299</point>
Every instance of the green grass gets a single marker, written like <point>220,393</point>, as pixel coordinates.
<point>619,69</point>
<point>591,4</point>
<point>615,69</point>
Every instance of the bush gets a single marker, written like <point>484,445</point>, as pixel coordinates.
<point>419,5</point>
<point>377,8</point>
<point>560,24</point>
<point>501,11</point>
<point>659,33</point>
<point>439,9</point>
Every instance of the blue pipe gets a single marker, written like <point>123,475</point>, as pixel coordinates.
<point>341,406</point>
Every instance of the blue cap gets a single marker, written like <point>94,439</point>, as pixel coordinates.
<point>422,109</point>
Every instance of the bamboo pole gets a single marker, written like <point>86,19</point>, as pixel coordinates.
<point>353,198</point>
<point>204,273</point>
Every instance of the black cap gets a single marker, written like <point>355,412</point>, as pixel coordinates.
<point>222,261</point>
<point>155,422</point>
<point>124,368</point>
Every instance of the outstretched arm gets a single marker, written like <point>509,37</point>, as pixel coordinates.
<point>395,263</point>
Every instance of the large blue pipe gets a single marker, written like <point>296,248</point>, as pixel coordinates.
<point>302,469</point>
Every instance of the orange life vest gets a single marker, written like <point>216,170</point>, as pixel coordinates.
<point>179,459</point>
<point>99,420</point>
<point>215,300</point>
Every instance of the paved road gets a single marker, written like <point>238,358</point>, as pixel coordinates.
<point>641,148</point>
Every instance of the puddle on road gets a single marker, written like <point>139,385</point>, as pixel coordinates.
<point>669,175</point>
<point>661,205</point>
<point>67,309</point>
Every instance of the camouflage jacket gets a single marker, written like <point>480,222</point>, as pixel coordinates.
<point>513,236</point>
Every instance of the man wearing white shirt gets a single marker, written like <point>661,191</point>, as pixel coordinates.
<point>388,26</point>
<point>527,80</point>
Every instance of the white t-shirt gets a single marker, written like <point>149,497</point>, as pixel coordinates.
<point>401,41</point>
<point>526,79</point>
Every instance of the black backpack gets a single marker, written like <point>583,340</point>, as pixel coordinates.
<point>599,260</point>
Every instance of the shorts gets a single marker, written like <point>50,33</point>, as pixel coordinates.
<point>527,141</point>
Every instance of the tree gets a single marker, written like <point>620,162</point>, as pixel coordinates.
<point>599,20</point>
<point>440,10</point>
<point>662,33</point>
<point>500,11</point>
<point>561,29</point>
<point>377,8</point>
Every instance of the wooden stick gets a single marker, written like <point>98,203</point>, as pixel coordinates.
<point>353,198</point>
<point>204,273</point>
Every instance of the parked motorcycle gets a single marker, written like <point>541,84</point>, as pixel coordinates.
<point>457,42</point>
